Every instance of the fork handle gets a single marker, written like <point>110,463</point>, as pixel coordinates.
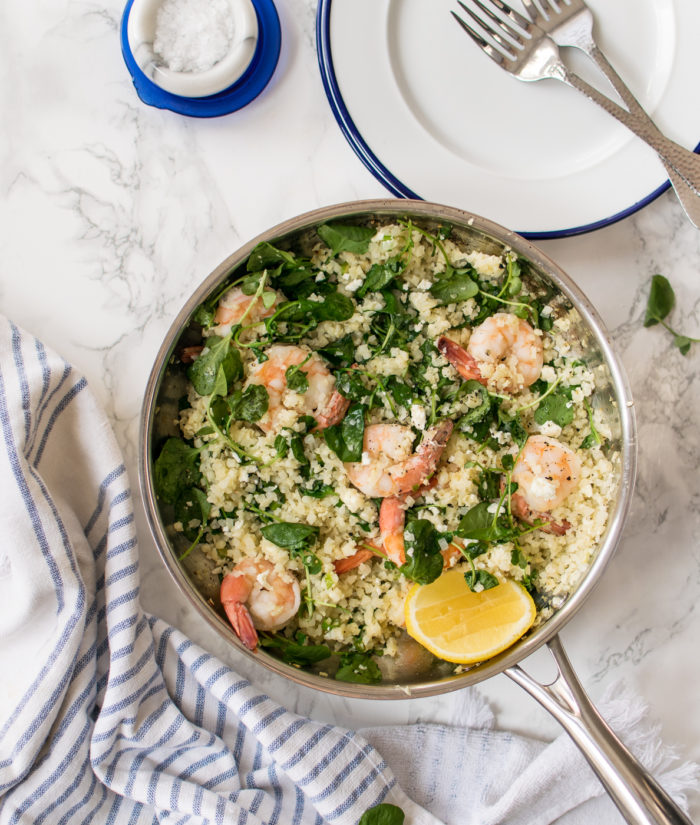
<point>688,195</point>
<point>685,162</point>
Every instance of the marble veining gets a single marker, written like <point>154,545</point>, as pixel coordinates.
<point>111,213</point>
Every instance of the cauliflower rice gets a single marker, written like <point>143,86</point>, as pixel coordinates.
<point>245,478</point>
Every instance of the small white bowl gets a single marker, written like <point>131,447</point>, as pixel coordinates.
<point>141,30</point>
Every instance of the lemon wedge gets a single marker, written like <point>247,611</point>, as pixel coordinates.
<point>458,625</point>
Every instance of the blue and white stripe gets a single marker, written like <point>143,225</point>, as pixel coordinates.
<point>106,714</point>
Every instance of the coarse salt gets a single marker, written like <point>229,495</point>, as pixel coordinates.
<point>193,35</point>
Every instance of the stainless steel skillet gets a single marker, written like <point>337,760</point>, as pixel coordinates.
<point>635,792</point>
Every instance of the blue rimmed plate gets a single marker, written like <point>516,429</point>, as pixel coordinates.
<point>434,118</point>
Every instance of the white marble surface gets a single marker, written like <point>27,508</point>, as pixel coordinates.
<point>111,212</point>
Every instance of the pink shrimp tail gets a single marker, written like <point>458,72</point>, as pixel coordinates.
<point>463,361</point>
<point>234,591</point>
<point>242,624</point>
<point>351,562</point>
<point>392,517</point>
<point>334,412</point>
<point>522,510</point>
<point>190,354</point>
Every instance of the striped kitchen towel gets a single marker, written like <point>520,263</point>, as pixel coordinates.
<point>108,715</point>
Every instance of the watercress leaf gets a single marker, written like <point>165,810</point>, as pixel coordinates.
<point>349,385</point>
<point>281,446</point>
<point>294,652</point>
<point>318,490</point>
<point>358,667</point>
<point>345,438</point>
<point>660,302</point>
<point>481,525</point>
<point>297,380</point>
<point>480,411</point>
<point>457,286</point>
<point>290,535</point>
<point>192,505</point>
<point>204,371</point>
<point>382,814</point>
<point>340,353</point>
<point>400,391</point>
<point>267,256</point>
<point>296,444</point>
<point>175,469</point>
<point>334,307</point>
<point>514,427</point>
<point>424,562</point>
<point>341,238</point>
<point>482,577</point>
<point>555,407</point>
<point>683,343</point>
<point>249,404</point>
<point>380,276</point>
<point>204,315</point>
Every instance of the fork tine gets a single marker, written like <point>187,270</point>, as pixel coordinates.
<point>483,44</point>
<point>484,28</point>
<point>511,14</point>
<point>531,9</point>
<point>506,28</point>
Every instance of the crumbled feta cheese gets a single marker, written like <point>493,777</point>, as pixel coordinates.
<point>353,286</point>
<point>550,428</point>
<point>418,416</point>
<point>548,374</point>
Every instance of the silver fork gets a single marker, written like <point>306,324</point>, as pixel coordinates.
<point>570,23</point>
<point>527,52</point>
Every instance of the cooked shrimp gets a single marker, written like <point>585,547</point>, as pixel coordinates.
<point>463,361</point>
<point>389,467</point>
<point>546,472</point>
<point>236,306</point>
<point>351,562</point>
<point>504,348</point>
<point>255,595</point>
<point>320,400</point>
<point>392,518</point>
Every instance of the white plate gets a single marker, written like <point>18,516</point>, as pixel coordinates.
<point>432,117</point>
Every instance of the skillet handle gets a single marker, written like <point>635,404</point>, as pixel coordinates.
<point>638,796</point>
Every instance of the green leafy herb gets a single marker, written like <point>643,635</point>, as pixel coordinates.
<point>659,305</point>
<point>346,438</point>
<point>295,651</point>
<point>297,380</point>
<point>556,407</point>
<point>479,524</point>
<point>479,412</point>
<point>334,307</point>
<point>318,490</point>
<point>455,287</point>
<point>176,469</point>
<point>249,404</point>
<point>380,276</point>
<point>349,385</point>
<point>290,535</point>
<point>340,353</point>
<point>267,256</point>
<point>217,356</point>
<point>358,667</point>
<point>593,436</point>
<point>192,505</point>
<point>383,814</point>
<point>424,562</point>
<point>341,238</point>
<point>483,577</point>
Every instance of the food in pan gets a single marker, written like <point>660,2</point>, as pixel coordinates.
<point>369,413</point>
